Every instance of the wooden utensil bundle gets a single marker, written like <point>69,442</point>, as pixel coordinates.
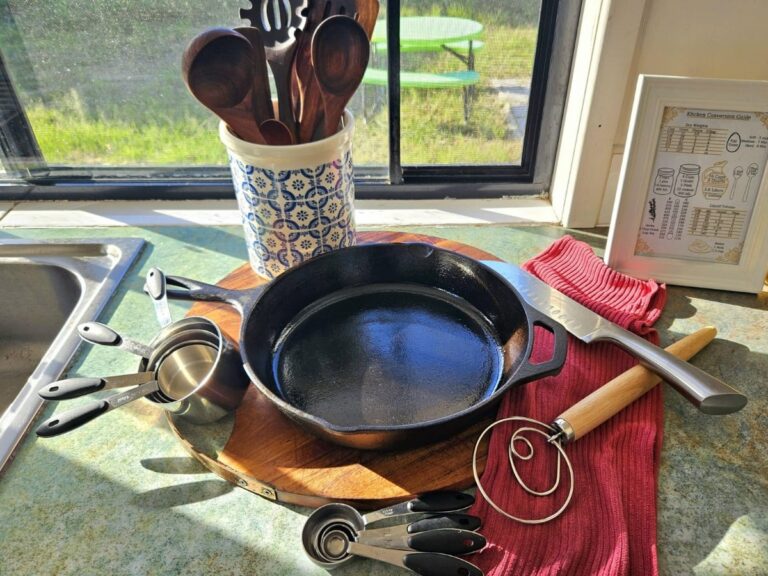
<point>317,50</point>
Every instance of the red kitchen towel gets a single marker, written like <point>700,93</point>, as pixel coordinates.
<point>609,527</point>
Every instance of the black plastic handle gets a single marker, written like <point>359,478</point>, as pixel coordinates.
<point>188,289</point>
<point>447,541</point>
<point>432,502</point>
<point>155,284</point>
<point>71,419</point>
<point>460,521</point>
<point>445,501</point>
<point>432,564</point>
<point>530,371</point>
<point>71,388</point>
<point>98,333</point>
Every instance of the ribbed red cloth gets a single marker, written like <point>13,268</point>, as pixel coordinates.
<point>610,526</point>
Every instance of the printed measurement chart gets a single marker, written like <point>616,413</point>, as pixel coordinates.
<point>708,169</point>
<point>717,223</point>
<point>688,140</point>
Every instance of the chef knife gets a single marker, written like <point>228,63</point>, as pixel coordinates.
<point>704,391</point>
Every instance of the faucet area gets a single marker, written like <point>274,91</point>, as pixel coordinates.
<point>381,288</point>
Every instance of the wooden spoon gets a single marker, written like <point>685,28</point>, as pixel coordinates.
<point>217,67</point>
<point>311,102</point>
<point>310,99</point>
<point>367,13</point>
<point>276,133</point>
<point>262,99</point>
<point>340,51</point>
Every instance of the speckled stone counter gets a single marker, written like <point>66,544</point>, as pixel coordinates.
<point>121,496</point>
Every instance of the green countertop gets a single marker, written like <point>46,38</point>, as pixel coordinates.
<point>121,496</point>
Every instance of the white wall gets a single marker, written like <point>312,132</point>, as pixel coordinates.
<point>707,38</point>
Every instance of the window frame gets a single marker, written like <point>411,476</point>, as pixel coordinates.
<point>558,21</point>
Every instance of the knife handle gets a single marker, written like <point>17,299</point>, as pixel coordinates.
<point>707,393</point>
<point>611,398</point>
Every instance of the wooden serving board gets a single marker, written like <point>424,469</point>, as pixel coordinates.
<point>270,455</point>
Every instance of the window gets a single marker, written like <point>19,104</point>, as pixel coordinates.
<point>92,103</point>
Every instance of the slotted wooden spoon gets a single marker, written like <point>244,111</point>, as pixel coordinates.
<point>279,22</point>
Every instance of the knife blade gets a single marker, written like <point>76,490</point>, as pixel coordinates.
<point>703,390</point>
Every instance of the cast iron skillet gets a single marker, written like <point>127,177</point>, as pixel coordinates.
<point>385,346</point>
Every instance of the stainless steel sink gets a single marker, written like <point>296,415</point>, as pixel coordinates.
<point>46,289</point>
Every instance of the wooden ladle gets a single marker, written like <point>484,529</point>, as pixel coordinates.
<point>217,67</point>
<point>340,51</point>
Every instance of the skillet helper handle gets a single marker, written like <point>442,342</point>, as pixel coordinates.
<point>703,390</point>
<point>194,290</point>
<point>71,388</point>
<point>71,419</point>
<point>608,400</point>
<point>530,371</point>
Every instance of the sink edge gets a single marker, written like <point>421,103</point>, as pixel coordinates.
<point>116,255</point>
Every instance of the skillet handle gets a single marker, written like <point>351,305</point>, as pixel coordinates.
<point>188,289</point>
<point>528,370</point>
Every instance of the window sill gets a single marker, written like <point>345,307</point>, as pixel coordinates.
<point>369,213</point>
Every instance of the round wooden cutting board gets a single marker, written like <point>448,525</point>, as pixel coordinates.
<point>269,455</point>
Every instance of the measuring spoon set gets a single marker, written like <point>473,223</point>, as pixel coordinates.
<point>335,533</point>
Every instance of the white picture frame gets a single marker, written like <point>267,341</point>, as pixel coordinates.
<point>692,203</point>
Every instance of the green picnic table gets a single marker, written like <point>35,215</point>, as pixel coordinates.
<point>429,33</point>
<point>457,36</point>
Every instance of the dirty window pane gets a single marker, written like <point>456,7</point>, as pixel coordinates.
<point>100,82</point>
<point>465,79</point>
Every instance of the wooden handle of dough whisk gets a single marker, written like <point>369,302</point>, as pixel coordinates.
<point>611,398</point>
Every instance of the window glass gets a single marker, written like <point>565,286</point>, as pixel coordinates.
<point>100,82</point>
<point>94,87</point>
<point>465,79</point>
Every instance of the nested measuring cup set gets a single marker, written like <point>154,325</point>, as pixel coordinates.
<point>189,369</point>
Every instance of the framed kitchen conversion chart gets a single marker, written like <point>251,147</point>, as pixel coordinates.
<point>692,204</point>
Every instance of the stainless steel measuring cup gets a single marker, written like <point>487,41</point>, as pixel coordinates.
<point>209,381</point>
<point>171,380</point>
<point>192,371</point>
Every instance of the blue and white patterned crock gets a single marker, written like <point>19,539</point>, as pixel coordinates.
<point>296,201</point>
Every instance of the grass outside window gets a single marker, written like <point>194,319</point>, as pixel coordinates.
<point>116,98</point>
